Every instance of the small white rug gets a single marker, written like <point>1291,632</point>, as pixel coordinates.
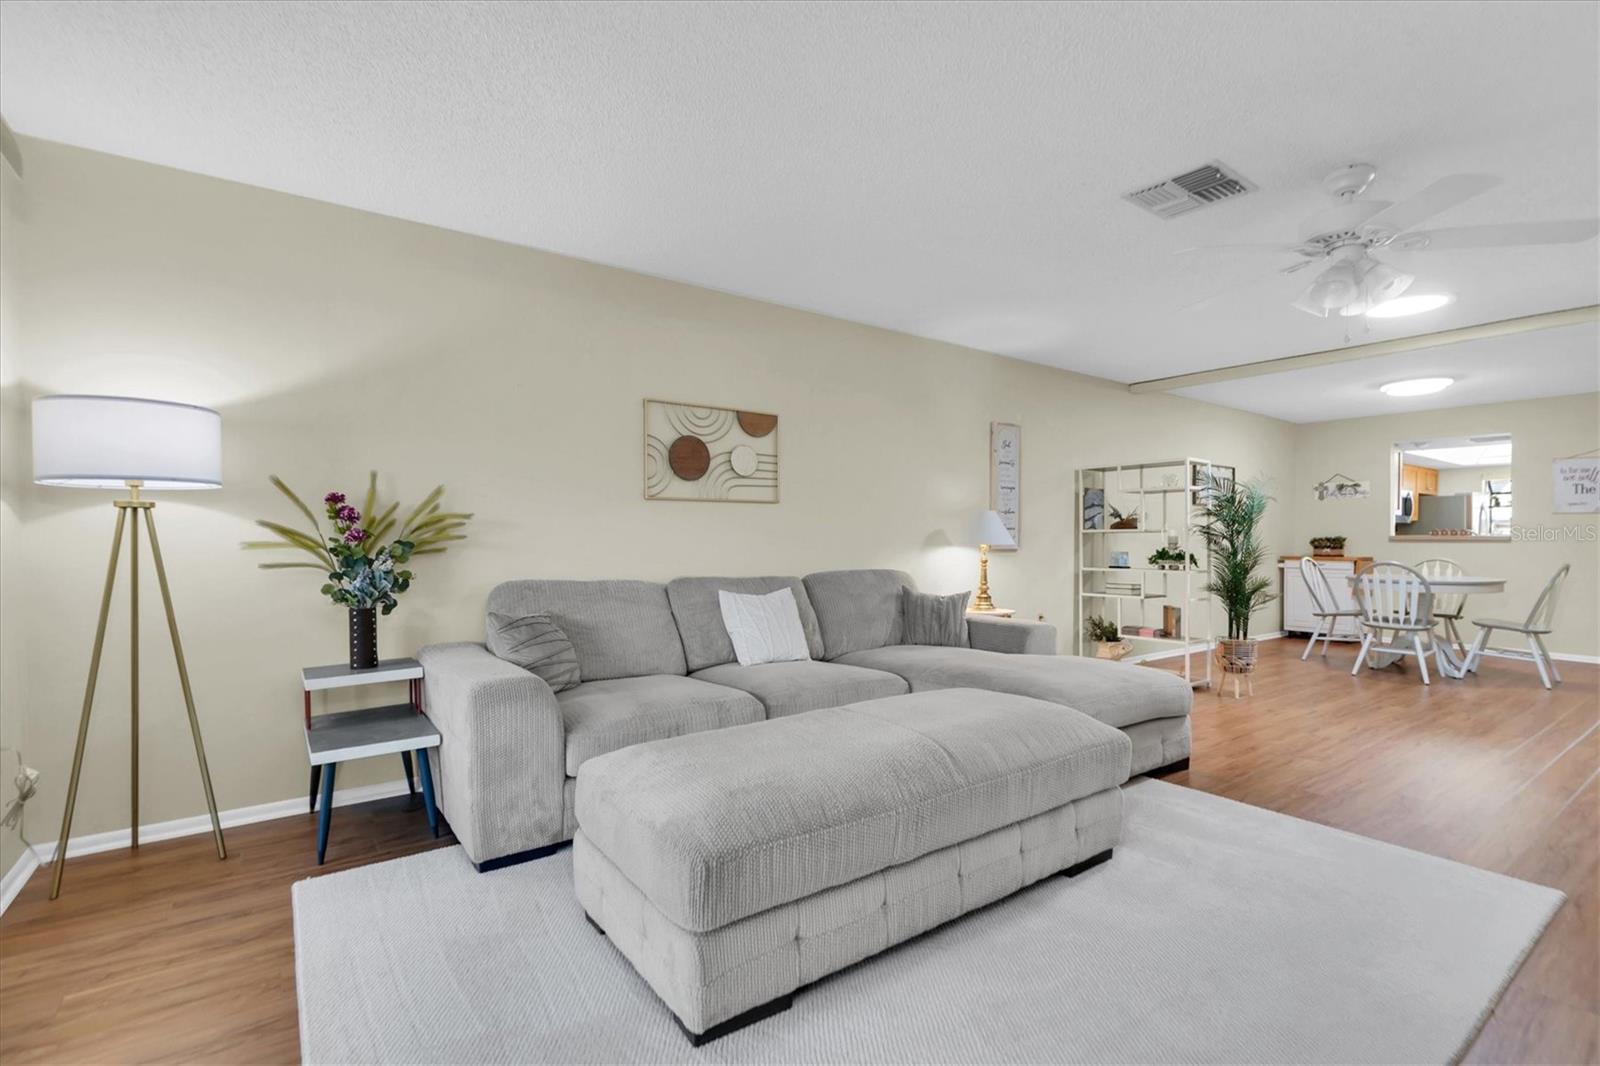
<point>1218,933</point>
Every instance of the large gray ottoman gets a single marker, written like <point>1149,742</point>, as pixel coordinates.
<point>735,866</point>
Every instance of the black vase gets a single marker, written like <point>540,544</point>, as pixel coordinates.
<point>363,638</point>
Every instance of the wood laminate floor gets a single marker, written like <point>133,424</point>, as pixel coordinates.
<point>169,955</point>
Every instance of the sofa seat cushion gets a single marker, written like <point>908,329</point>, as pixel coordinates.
<point>602,716</point>
<point>1118,694</point>
<point>722,825</point>
<point>793,687</point>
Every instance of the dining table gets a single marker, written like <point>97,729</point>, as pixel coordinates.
<point>1450,656</point>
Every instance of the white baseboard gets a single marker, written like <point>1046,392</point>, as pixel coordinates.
<point>1199,647</point>
<point>1573,657</point>
<point>16,877</point>
<point>44,853</point>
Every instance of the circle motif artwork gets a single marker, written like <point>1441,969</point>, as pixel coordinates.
<point>689,458</point>
<point>757,425</point>
<point>743,460</point>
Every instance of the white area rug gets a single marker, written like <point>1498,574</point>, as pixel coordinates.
<point>1218,933</point>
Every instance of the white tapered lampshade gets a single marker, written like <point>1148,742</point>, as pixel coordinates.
<point>988,529</point>
<point>104,442</point>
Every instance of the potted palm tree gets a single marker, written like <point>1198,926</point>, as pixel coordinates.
<point>1230,514</point>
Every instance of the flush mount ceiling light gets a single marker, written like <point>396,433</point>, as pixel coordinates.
<point>1416,386</point>
<point>1401,306</point>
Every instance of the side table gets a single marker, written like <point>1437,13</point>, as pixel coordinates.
<point>335,738</point>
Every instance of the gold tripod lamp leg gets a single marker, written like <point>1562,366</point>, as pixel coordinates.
<point>88,704</point>
<point>183,678</point>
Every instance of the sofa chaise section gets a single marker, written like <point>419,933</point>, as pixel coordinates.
<point>858,612</point>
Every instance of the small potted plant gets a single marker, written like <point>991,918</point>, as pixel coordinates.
<point>1230,513</point>
<point>1108,643</point>
<point>363,573</point>
<point>1327,545</point>
<point>1172,559</point>
<point>1122,521</point>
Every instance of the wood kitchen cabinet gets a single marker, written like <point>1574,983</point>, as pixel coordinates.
<point>1420,480</point>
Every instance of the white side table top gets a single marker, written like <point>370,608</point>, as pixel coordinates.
<point>316,678</point>
<point>998,612</point>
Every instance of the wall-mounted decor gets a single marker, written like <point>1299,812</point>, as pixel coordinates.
<point>709,454</point>
<point>1577,483</point>
<point>1005,477</point>
<point>1342,487</point>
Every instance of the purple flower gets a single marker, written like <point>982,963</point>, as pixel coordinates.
<point>347,514</point>
<point>355,536</point>
<point>333,498</point>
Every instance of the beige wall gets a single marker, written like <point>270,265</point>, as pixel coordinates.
<point>1541,430</point>
<point>334,341</point>
<point>13,473</point>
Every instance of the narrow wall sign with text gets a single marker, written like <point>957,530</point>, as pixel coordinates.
<point>1005,477</point>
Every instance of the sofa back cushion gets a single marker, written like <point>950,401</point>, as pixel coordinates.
<point>618,628</point>
<point>698,611</point>
<point>858,610</point>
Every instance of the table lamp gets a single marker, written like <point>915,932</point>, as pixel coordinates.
<point>117,442</point>
<point>987,531</point>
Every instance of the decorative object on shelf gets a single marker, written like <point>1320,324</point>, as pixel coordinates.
<point>1172,620</point>
<point>1326,546</point>
<point>709,454</point>
<point>1212,472</point>
<point>1577,483</point>
<point>364,575</point>
<point>1005,479</point>
<point>988,530</point>
<point>116,442</point>
<point>1342,487</point>
<point>1094,508</point>
<point>1108,643</point>
<point>1122,521</point>
<point>1231,515</point>
<point>1172,559</point>
<point>1119,561</point>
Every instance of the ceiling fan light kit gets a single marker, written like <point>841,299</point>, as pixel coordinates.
<point>1411,304</point>
<point>1416,386</point>
<point>1343,236</point>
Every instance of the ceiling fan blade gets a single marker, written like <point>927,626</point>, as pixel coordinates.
<point>1441,195</point>
<point>1566,231</point>
<point>1239,286</point>
<point>1238,248</point>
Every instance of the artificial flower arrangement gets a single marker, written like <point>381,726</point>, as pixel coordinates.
<point>364,573</point>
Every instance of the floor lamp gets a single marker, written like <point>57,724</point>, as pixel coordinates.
<point>119,442</point>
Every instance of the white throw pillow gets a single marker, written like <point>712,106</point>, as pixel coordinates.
<point>764,629</point>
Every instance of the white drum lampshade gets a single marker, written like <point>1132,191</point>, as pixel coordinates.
<point>104,442</point>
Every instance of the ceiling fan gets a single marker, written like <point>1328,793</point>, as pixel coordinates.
<point>1341,239</point>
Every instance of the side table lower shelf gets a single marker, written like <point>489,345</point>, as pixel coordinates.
<point>335,738</point>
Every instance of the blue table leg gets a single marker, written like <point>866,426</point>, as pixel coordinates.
<point>427,790</point>
<point>326,813</point>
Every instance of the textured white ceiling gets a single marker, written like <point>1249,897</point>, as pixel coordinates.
<point>1552,362</point>
<point>949,170</point>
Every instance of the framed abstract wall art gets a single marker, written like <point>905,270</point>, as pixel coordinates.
<point>709,454</point>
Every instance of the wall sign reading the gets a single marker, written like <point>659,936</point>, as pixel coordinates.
<point>1577,485</point>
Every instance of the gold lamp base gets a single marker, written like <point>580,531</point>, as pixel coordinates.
<point>982,602</point>
<point>137,506</point>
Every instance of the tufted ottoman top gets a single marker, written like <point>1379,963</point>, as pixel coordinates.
<point>713,827</point>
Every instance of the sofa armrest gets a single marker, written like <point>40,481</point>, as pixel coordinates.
<point>1012,637</point>
<point>502,754</point>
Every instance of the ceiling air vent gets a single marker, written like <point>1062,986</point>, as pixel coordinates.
<point>1187,192</point>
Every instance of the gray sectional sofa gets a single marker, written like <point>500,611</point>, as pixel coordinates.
<point>656,662</point>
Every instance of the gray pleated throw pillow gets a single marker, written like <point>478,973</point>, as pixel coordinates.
<point>930,619</point>
<point>535,643</point>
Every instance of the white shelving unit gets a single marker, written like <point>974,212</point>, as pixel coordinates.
<point>1161,495</point>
